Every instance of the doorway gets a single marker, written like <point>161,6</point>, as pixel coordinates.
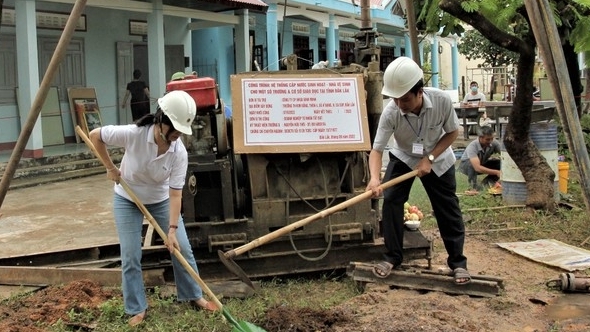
<point>132,56</point>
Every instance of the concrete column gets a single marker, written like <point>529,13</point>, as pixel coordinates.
<point>435,68</point>
<point>455,64</point>
<point>286,38</point>
<point>421,50</point>
<point>156,54</point>
<point>331,40</point>
<point>397,51</point>
<point>242,37</point>
<point>28,72</point>
<point>408,45</point>
<point>272,42</point>
<point>314,41</point>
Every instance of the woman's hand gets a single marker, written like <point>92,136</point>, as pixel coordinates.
<point>172,240</point>
<point>114,174</point>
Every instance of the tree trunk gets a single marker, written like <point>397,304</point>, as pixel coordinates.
<point>539,177</point>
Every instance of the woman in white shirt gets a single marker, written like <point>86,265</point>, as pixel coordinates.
<point>154,166</point>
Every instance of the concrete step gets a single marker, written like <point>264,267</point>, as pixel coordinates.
<point>31,181</point>
<point>32,172</point>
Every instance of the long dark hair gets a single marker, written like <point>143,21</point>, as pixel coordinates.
<point>157,118</point>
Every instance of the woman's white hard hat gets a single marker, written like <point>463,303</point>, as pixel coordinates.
<point>400,76</point>
<point>180,108</point>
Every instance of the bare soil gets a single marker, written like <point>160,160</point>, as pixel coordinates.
<point>526,305</point>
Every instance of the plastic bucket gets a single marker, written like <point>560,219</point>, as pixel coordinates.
<point>544,136</point>
<point>564,168</point>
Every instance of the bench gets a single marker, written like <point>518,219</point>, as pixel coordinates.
<point>500,114</point>
<point>468,117</point>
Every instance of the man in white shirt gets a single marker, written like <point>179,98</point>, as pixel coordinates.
<point>424,124</point>
<point>474,97</point>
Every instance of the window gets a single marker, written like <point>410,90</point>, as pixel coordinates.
<point>72,70</point>
<point>304,54</point>
<point>386,57</point>
<point>7,69</point>
<point>347,53</point>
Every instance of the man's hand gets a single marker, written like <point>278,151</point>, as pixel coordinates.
<point>424,167</point>
<point>374,187</point>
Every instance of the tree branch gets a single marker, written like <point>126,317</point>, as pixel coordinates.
<point>483,25</point>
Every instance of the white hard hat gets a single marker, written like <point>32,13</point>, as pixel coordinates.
<point>180,108</point>
<point>400,76</point>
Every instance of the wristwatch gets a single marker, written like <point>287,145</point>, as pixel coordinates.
<point>431,158</point>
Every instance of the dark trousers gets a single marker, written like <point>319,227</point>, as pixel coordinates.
<point>445,204</point>
<point>467,169</point>
<point>139,109</point>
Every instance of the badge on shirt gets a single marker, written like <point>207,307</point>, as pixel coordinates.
<point>417,148</point>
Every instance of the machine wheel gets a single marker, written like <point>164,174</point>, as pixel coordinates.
<point>222,145</point>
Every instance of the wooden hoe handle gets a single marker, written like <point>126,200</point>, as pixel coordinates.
<point>322,214</point>
<point>154,224</point>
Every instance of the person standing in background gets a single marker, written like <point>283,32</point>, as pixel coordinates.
<point>140,96</point>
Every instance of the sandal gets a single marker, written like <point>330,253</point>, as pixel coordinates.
<point>462,277</point>
<point>137,319</point>
<point>382,269</point>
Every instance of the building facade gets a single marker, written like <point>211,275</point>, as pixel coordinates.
<point>161,37</point>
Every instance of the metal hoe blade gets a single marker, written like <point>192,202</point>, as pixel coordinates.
<point>234,268</point>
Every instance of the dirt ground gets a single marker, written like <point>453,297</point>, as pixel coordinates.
<point>527,305</point>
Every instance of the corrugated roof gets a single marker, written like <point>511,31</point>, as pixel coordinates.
<point>255,2</point>
<point>219,5</point>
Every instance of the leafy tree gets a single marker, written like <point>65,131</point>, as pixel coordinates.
<point>505,23</point>
<point>475,46</point>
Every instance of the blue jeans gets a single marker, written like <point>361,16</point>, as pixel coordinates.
<point>129,220</point>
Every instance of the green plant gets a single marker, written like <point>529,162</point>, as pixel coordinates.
<point>562,145</point>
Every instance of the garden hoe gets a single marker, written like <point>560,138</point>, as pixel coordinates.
<point>227,257</point>
<point>238,326</point>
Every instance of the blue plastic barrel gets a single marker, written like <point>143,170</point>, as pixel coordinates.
<point>544,136</point>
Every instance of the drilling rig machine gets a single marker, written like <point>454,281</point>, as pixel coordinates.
<point>231,198</point>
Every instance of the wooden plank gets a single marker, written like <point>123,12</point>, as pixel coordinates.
<point>42,276</point>
<point>483,286</point>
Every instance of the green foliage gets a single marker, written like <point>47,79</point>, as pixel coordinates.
<point>475,46</point>
<point>112,309</point>
<point>581,38</point>
<point>562,146</point>
<point>431,19</point>
<point>470,6</point>
<point>573,20</point>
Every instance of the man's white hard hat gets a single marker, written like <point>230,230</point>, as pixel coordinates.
<point>180,108</point>
<point>400,76</point>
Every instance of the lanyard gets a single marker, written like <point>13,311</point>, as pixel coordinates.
<point>414,130</point>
